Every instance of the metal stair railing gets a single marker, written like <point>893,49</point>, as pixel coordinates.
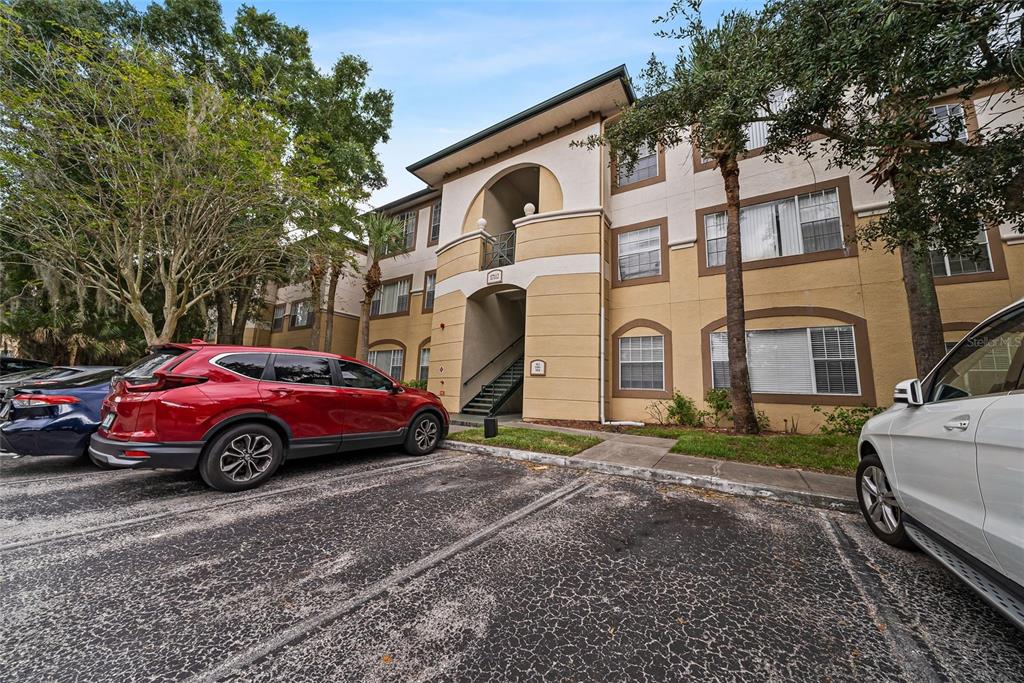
<point>505,395</point>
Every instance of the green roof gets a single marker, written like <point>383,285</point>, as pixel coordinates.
<point>618,73</point>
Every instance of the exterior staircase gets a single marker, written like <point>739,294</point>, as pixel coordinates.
<point>494,394</point>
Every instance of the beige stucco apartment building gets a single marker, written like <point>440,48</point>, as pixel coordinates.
<point>530,257</point>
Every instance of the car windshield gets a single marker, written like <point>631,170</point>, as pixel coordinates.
<point>144,368</point>
<point>24,374</point>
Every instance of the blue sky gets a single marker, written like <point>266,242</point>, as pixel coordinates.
<point>458,67</point>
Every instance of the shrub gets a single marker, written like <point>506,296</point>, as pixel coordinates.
<point>683,411</point>
<point>415,384</point>
<point>846,420</point>
<point>764,423</point>
<point>658,411</point>
<point>719,406</point>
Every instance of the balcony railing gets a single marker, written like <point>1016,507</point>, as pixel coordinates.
<point>499,250</point>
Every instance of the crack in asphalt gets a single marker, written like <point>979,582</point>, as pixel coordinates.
<point>246,497</point>
<point>396,578</point>
<point>910,655</point>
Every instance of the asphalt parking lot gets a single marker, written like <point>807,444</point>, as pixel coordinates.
<point>461,567</point>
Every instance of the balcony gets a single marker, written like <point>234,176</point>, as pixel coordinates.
<point>498,250</point>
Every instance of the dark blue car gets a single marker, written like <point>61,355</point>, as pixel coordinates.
<point>55,417</point>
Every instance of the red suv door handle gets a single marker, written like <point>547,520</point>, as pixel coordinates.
<point>281,391</point>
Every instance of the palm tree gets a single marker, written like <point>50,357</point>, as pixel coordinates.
<point>383,235</point>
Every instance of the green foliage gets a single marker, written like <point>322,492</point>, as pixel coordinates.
<point>847,421</point>
<point>719,406</point>
<point>415,384</point>
<point>683,411</point>
<point>764,423</point>
<point>833,453</point>
<point>863,75</point>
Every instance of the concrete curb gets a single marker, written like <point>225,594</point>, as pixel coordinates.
<point>805,498</point>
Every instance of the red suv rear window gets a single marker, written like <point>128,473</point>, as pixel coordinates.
<point>142,370</point>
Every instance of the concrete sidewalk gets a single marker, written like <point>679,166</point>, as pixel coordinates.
<point>647,457</point>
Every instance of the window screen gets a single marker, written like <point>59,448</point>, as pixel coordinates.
<point>646,167</point>
<point>817,360</point>
<point>642,362</point>
<point>803,224</point>
<point>639,253</point>
<point>977,261</point>
<point>391,298</point>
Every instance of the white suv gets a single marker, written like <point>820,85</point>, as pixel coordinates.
<point>943,469</point>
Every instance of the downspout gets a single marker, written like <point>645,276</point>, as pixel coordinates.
<point>601,290</point>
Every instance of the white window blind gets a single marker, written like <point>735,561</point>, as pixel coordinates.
<point>817,360</point>
<point>640,253</point>
<point>429,283</point>
<point>642,362</point>
<point>390,361</point>
<point>424,367</point>
<point>803,224</point>
<point>435,221</point>
<point>391,298</point>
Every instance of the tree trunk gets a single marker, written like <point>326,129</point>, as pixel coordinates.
<point>372,282</point>
<point>744,417</point>
<point>332,291</point>
<point>923,305</point>
<point>241,316</point>
<point>316,286</point>
<point>224,332</point>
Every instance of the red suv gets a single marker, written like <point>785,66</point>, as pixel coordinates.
<point>237,412</point>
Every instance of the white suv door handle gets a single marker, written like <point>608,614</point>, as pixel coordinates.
<point>958,424</point>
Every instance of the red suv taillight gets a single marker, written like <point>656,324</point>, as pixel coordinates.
<point>38,400</point>
<point>163,381</point>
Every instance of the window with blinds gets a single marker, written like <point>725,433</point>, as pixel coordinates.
<point>408,221</point>
<point>391,298</point>
<point>639,253</point>
<point>646,166</point>
<point>977,261</point>
<point>435,222</point>
<point>814,360</point>
<point>642,362</point>
<point>803,224</point>
<point>429,284</point>
<point>390,361</point>
<point>424,367</point>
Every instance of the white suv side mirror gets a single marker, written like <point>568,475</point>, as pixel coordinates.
<point>908,391</point>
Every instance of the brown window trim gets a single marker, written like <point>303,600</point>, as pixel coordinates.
<point>998,272</point>
<point>866,376</point>
<point>391,342</point>
<point>423,308</point>
<point>647,182</point>
<point>619,230</point>
<point>312,316</point>
<point>667,363</point>
<point>846,216</point>
<point>959,326</point>
<point>408,305</point>
<point>430,222</point>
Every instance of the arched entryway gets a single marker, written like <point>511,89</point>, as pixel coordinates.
<point>492,351</point>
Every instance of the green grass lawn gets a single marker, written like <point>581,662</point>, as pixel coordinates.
<point>524,439</point>
<point>823,452</point>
